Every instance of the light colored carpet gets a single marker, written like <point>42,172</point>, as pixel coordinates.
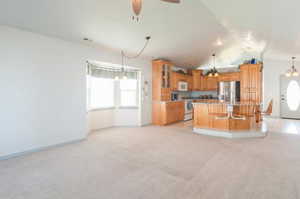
<point>157,163</point>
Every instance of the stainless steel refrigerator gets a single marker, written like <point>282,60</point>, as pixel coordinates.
<point>229,91</point>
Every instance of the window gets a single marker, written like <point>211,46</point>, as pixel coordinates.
<point>101,93</point>
<point>110,87</point>
<point>128,93</point>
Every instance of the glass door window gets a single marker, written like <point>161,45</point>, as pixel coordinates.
<point>290,97</point>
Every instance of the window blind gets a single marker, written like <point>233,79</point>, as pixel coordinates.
<point>111,72</point>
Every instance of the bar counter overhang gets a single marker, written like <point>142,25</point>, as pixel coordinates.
<point>230,120</point>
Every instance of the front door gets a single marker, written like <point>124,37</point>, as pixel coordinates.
<point>290,97</point>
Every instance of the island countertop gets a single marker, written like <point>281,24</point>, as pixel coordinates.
<point>225,103</point>
<point>225,116</point>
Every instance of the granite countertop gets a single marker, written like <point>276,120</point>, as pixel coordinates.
<point>172,101</point>
<point>227,103</point>
<point>182,100</point>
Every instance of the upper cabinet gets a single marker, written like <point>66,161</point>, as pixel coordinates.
<point>179,77</point>
<point>166,70</point>
<point>227,77</point>
<point>196,80</point>
<point>161,80</point>
<point>203,83</point>
<point>190,82</point>
<point>251,83</point>
<point>209,83</point>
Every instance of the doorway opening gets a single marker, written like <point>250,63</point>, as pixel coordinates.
<point>290,97</point>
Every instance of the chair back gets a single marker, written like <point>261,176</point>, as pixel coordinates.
<point>269,109</point>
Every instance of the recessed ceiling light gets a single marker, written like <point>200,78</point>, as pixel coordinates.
<point>87,39</point>
<point>249,36</point>
<point>219,42</point>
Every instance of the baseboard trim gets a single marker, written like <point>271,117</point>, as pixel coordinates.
<point>126,126</point>
<point>15,155</point>
<point>100,129</point>
<point>146,124</point>
<point>255,133</point>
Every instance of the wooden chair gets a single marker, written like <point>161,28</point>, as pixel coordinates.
<point>269,109</point>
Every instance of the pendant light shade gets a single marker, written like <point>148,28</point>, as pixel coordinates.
<point>137,7</point>
<point>292,72</point>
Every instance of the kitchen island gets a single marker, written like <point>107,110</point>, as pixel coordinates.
<point>228,120</point>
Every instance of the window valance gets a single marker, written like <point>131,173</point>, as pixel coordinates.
<point>111,72</point>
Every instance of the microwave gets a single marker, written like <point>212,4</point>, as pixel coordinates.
<point>183,86</point>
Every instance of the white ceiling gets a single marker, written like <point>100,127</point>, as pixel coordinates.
<point>186,33</point>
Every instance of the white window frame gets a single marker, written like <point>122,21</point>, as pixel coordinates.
<point>89,95</point>
<point>137,95</point>
<point>117,95</point>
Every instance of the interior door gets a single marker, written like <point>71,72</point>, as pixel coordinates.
<point>290,97</point>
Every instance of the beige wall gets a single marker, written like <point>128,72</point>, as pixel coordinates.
<point>43,90</point>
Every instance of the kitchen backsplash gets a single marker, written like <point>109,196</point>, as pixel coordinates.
<point>201,93</point>
<point>196,94</point>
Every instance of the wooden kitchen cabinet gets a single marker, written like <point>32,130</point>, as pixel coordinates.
<point>203,83</point>
<point>227,77</point>
<point>196,78</point>
<point>190,82</point>
<point>208,83</point>
<point>174,85</point>
<point>212,83</point>
<point>168,112</point>
<point>165,111</point>
<point>251,83</point>
<point>177,77</point>
<point>161,80</point>
<point>173,112</point>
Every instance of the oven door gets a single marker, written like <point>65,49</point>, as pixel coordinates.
<point>188,106</point>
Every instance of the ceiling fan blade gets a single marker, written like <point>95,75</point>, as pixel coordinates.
<point>172,1</point>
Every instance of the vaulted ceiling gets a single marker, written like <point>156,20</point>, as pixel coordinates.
<point>186,33</point>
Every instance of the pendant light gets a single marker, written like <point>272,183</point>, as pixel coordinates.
<point>123,71</point>
<point>292,72</point>
<point>213,72</point>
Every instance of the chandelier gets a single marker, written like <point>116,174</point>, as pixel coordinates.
<point>213,72</point>
<point>292,72</point>
<point>132,57</point>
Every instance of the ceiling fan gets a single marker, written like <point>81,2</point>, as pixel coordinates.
<point>137,7</point>
<point>172,1</point>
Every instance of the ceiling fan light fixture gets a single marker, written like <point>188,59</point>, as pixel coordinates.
<point>213,72</point>
<point>137,7</point>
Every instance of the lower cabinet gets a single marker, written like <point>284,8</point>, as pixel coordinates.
<point>165,113</point>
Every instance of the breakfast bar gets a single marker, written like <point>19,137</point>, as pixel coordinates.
<point>228,120</point>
